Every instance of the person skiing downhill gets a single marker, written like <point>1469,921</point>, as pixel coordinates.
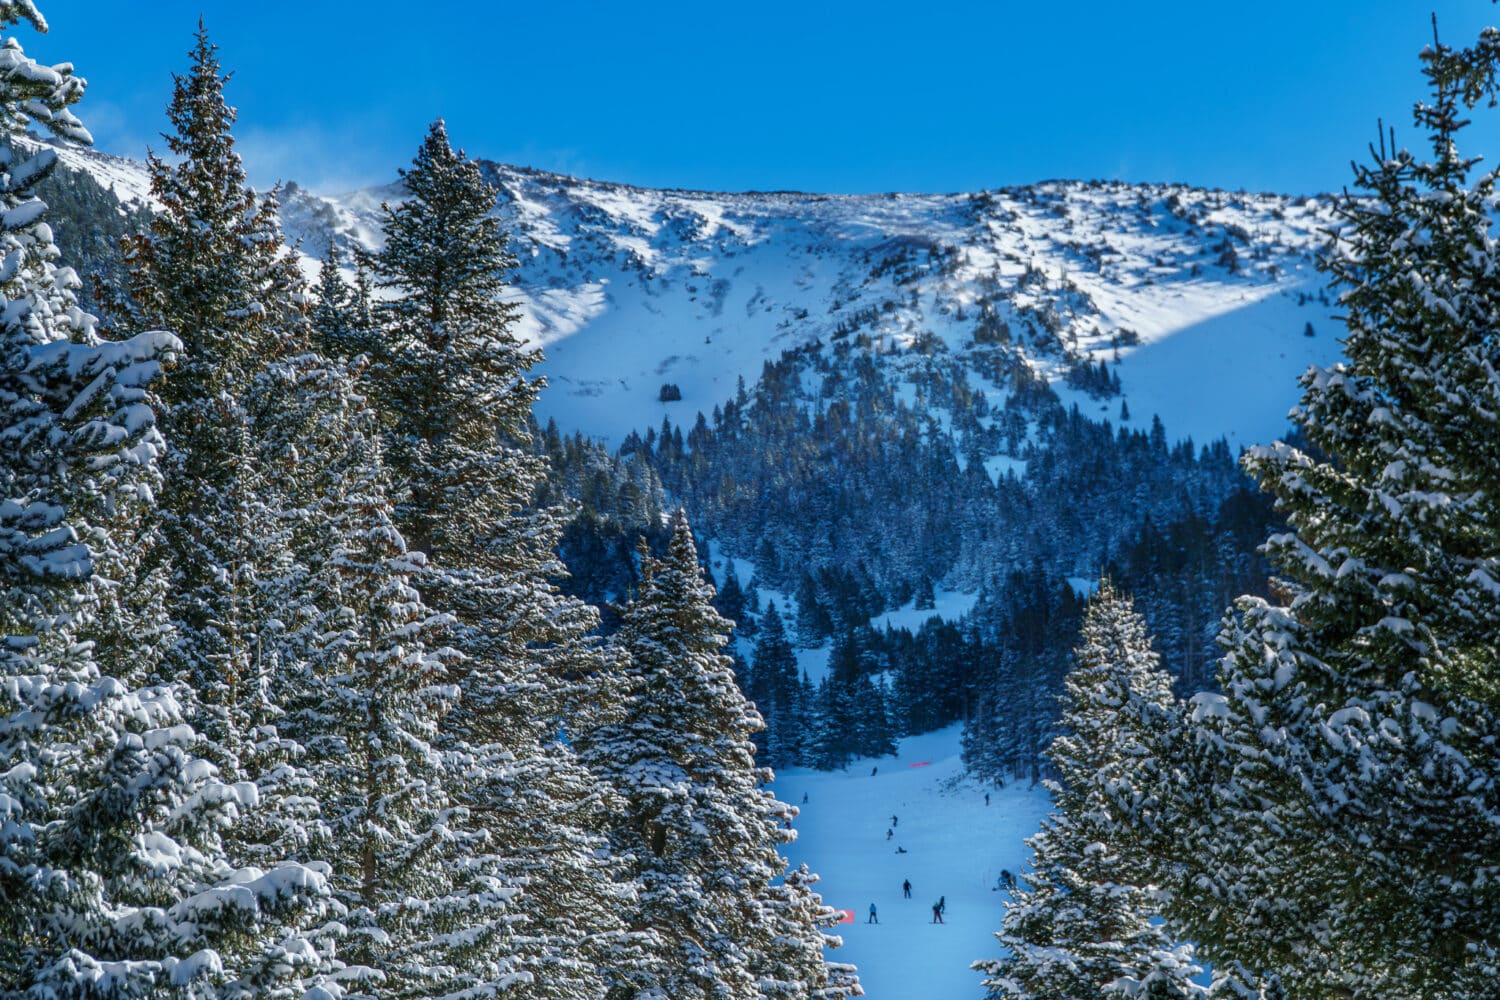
<point>906,888</point>
<point>937,913</point>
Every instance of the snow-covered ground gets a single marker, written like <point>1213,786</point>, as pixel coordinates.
<point>956,846</point>
<point>949,605</point>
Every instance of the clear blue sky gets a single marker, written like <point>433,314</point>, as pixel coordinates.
<point>812,95</point>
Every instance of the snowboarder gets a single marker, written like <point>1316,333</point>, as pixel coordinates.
<point>900,849</point>
<point>937,913</point>
<point>873,918</point>
<point>906,888</point>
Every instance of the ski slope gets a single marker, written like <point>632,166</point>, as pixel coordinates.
<point>956,847</point>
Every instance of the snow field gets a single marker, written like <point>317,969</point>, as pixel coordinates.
<point>949,605</point>
<point>956,847</point>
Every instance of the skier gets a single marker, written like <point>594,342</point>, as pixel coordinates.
<point>804,798</point>
<point>873,918</point>
<point>937,913</point>
<point>942,905</point>
<point>900,849</point>
<point>986,798</point>
<point>873,770</point>
<point>1007,878</point>
<point>889,834</point>
<point>906,888</point>
<point>893,819</point>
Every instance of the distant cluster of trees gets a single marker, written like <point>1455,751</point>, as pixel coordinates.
<point>912,505</point>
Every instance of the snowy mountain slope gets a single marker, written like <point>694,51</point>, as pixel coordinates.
<point>629,289</point>
<point>1201,298</point>
<point>127,178</point>
<point>956,847</point>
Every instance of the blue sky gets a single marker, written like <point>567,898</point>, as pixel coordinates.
<point>811,95</point>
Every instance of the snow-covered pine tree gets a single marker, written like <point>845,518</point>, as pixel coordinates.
<point>731,596</point>
<point>450,378</point>
<point>214,269</point>
<point>775,691</point>
<point>237,525</point>
<point>699,832</point>
<point>1084,927</point>
<point>427,913</point>
<point>830,739</point>
<point>793,963</point>
<point>342,317</point>
<point>1349,838</point>
<point>112,874</point>
<point>873,731</point>
<point>353,707</point>
<point>449,346</point>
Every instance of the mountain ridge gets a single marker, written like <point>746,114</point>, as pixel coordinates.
<point>631,289</point>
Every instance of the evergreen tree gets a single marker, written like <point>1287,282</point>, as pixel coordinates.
<point>452,375</point>
<point>249,413</point>
<point>427,910</point>
<point>455,404</point>
<point>926,600</point>
<point>871,722</point>
<point>775,664</point>
<point>214,269</point>
<point>730,600</point>
<point>342,317</point>
<point>1084,926</point>
<point>1340,798</point>
<point>793,964</point>
<point>814,624</point>
<point>699,833</point>
<point>832,739</point>
<point>114,879</point>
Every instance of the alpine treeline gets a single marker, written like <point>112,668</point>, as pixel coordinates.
<point>1326,823</point>
<point>291,704</point>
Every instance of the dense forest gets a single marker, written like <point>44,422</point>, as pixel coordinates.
<point>851,500</point>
